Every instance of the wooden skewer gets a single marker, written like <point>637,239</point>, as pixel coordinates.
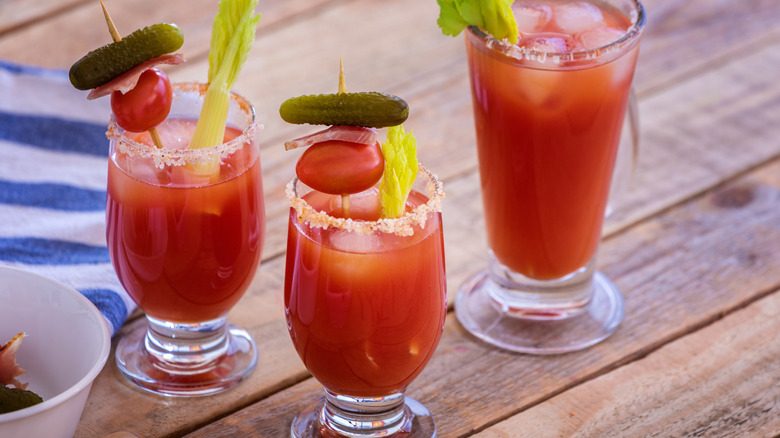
<point>111,27</point>
<point>342,90</point>
<point>116,37</point>
<point>342,81</point>
<point>345,205</point>
<point>156,137</point>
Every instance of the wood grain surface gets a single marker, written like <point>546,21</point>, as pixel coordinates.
<point>693,244</point>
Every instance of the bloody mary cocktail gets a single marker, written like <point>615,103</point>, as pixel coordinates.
<point>185,216</point>
<point>365,300</point>
<point>185,229</point>
<point>548,112</point>
<point>185,247</point>
<point>364,289</point>
<point>365,312</point>
<point>548,134</point>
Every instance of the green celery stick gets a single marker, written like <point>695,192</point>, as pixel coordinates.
<point>231,39</point>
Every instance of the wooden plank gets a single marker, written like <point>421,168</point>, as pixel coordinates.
<point>57,41</point>
<point>681,37</point>
<point>684,38</point>
<point>15,14</point>
<point>720,381</point>
<point>66,37</point>
<point>701,131</point>
<point>678,274</point>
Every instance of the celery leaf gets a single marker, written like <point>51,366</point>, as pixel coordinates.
<point>493,16</point>
<point>400,154</point>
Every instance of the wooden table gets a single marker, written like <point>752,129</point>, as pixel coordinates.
<point>695,247</point>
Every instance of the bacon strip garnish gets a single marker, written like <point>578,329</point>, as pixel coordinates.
<point>349,134</point>
<point>9,369</point>
<point>127,80</point>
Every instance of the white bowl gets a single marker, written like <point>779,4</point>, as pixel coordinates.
<point>66,345</point>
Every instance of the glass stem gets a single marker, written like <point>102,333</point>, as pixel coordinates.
<point>176,345</point>
<point>523,297</point>
<point>365,417</point>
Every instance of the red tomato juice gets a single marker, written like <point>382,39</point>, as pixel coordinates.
<point>185,249</point>
<point>365,312</point>
<point>547,139</point>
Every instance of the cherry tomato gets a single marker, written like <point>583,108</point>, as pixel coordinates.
<point>146,105</point>
<point>339,168</point>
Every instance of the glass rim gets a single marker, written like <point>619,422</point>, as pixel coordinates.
<point>180,157</point>
<point>521,53</point>
<point>401,226</point>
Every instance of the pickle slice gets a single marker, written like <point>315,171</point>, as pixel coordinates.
<point>369,109</point>
<point>103,64</point>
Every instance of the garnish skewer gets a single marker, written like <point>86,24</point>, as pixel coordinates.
<point>116,37</point>
<point>342,90</point>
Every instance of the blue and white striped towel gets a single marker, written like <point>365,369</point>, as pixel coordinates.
<point>53,164</point>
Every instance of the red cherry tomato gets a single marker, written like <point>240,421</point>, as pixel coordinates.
<point>146,105</point>
<point>339,168</point>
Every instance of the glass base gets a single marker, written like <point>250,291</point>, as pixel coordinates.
<point>535,331</point>
<point>416,422</point>
<point>182,362</point>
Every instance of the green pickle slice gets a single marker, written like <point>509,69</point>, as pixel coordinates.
<point>369,109</point>
<point>103,64</point>
<point>13,399</point>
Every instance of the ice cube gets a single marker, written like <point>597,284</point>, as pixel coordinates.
<point>145,170</point>
<point>599,37</point>
<point>537,87</point>
<point>177,133</point>
<point>575,17</point>
<point>353,242</point>
<point>531,17</point>
<point>549,42</point>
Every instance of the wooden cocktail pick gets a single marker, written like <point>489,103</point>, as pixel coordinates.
<point>342,90</point>
<point>116,37</point>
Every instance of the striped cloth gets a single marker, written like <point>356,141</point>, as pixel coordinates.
<point>53,164</point>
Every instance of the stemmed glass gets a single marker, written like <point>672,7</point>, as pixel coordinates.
<point>548,130</point>
<point>365,301</point>
<point>185,231</point>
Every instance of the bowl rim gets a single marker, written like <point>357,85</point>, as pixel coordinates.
<point>91,374</point>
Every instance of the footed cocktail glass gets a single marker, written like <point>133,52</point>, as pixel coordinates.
<point>365,301</point>
<point>185,231</point>
<point>548,114</point>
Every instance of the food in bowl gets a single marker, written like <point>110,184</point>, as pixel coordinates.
<point>66,344</point>
<point>18,397</point>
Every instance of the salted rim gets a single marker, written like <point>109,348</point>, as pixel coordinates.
<point>180,157</point>
<point>400,226</point>
<point>523,53</point>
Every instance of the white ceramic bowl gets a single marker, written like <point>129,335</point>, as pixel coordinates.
<point>66,346</point>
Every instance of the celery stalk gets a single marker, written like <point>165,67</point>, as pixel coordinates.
<point>232,36</point>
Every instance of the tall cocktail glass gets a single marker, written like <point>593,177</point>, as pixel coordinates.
<point>185,231</point>
<point>548,114</point>
<point>365,301</point>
